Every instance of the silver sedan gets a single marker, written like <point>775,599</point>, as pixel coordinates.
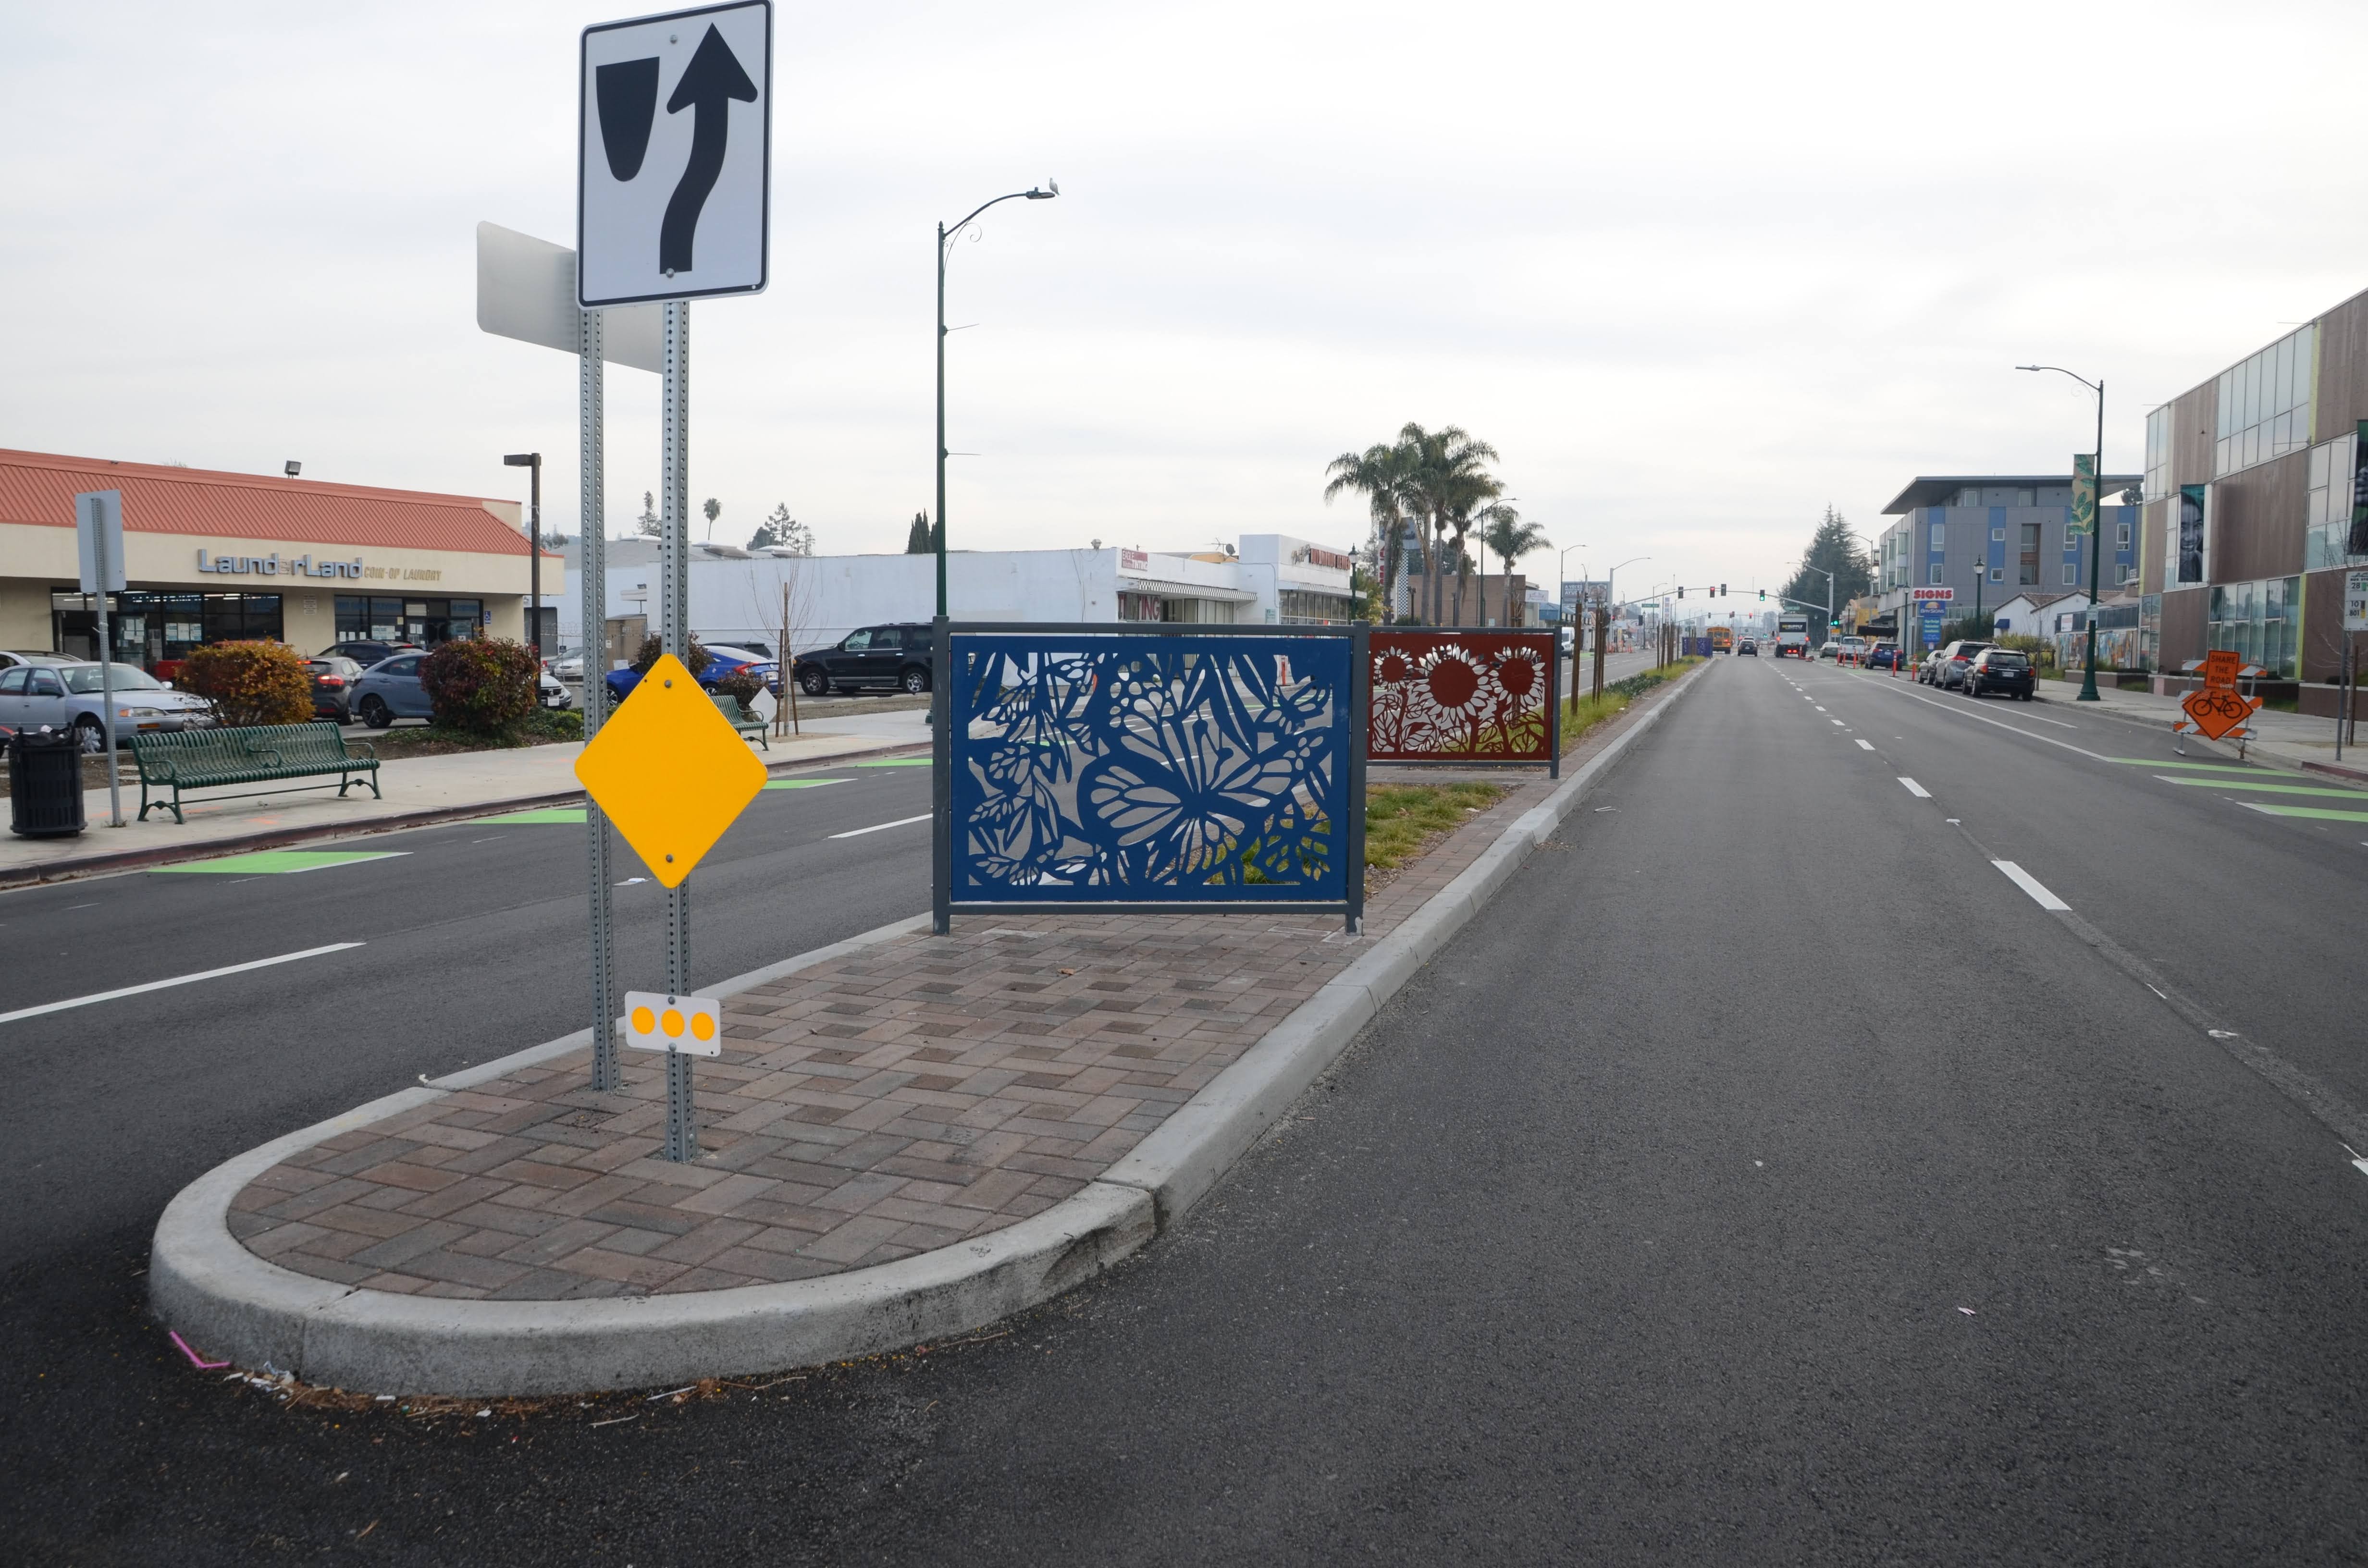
<point>68,695</point>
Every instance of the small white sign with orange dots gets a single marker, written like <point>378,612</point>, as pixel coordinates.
<point>656,1021</point>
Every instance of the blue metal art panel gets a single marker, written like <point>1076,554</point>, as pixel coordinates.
<point>1132,768</point>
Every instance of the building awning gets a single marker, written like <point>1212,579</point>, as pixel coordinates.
<point>1167,590</point>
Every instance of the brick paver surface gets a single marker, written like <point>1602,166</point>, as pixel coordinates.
<point>903,1098</point>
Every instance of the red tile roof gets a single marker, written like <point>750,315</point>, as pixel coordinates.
<point>39,488</point>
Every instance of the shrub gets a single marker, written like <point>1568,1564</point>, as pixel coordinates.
<point>652,648</point>
<point>483,685</point>
<point>250,683</point>
<point>742,687</point>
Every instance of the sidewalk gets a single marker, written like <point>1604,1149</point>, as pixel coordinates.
<point>2282,739</point>
<point>904,1137</point>
<point>416,790</point>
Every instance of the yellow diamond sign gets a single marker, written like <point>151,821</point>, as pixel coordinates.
<point>670,771</point>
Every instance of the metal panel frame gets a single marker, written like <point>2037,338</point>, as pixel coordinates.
<point>942,905</point>
<point>1551,762</point>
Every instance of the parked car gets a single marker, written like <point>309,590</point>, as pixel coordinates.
<point>11,657</point>
<point>1746,646</point>
<point>333,687</point>
<point>568,668</point>
<point>1851,651</point>
<point>68,696</point>
<point>391,689</point>
<point>1884,657</point>
<point>721,663</point>
<point>1830,649</point>
<point>367,652</point>
<point>891,658</point>
<point>727,659</point>
<point>1949,665</point>
<point>551,691</point>
<point>2006,670</point>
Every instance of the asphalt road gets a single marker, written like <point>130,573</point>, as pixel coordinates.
<point>1766,1177</point>
<point>471,946</point>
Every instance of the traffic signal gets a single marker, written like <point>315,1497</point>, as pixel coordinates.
<point>1763,595</point>
<point>1722,590</point>
<point>1681,593</point>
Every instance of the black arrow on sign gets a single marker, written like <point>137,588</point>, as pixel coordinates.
<point>709,83</point>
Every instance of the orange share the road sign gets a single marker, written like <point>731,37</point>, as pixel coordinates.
<point>670,771</point>
<point>2219,709</point>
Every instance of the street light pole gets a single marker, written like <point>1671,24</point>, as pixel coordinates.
<point>945,238</point>
<point>2096,527</point>
<point>533,461</point>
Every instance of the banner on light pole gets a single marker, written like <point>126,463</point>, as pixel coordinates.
<point>2084,492</point>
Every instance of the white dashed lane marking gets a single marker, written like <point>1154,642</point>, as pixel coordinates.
<point>2031,884</point>
<point>1917,790</point>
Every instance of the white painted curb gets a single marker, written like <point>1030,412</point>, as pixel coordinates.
<point>233,1305</point>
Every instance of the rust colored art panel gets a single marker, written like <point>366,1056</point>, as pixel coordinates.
<point>1443,696</point>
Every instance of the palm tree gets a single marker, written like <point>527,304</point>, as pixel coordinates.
<point>1511,538</point>
<point>1449,480</point>
<point>1381,472</point>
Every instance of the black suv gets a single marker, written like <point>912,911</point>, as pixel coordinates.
<point>880,658</point>
<point>1999,669</point>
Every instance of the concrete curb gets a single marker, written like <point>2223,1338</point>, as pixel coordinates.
<point>277,838</point>
<point>232,1303</point>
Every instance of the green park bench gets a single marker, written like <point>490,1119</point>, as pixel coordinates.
<point>746,724</point>
<point>204,759</point>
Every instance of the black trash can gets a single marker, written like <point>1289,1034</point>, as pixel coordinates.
<point>45,783</point>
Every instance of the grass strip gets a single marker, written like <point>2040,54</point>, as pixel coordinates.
<point>1403,820</point>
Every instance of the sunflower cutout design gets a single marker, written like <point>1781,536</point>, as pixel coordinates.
<point>1449,694</point>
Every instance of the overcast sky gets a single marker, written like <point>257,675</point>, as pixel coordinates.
<point>1695,271</point>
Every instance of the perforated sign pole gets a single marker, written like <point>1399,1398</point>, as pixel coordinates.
<point>674,627</point>
<point>592,588</point>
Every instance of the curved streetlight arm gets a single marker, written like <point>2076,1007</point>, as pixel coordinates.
<point>2096,387</point>
<point>945,235</point>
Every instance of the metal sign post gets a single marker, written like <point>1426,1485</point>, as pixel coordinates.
<point>674,632</point>
<point>98,527</point>
<point>672,203</point>
<point>592,588</point>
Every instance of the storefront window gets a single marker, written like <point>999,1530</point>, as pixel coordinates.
<point>149,627</point>
<point>2260,623</point>
<point>369,618</point>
